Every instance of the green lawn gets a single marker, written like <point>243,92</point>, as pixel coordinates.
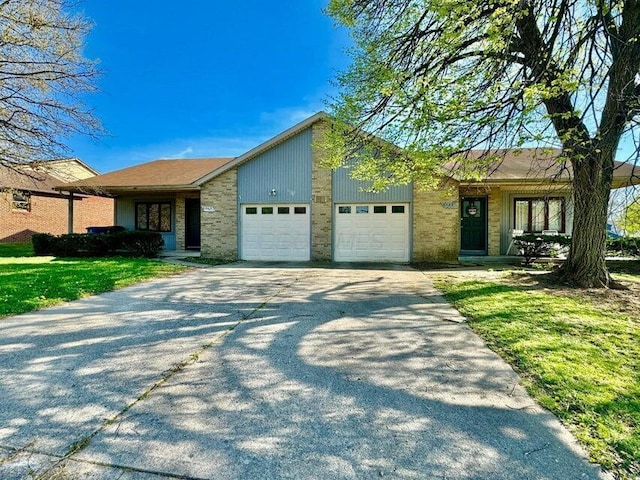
<point>29,283</point>
<point>579,359</point>
<point>16,250</point>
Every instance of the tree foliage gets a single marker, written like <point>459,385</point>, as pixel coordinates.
<point>440,78</point>
<point>631,219</point>
<point>43,74</point>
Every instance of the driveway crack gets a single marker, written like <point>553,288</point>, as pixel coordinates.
<point>81,444</point>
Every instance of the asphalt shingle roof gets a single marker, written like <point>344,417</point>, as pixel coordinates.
<point>157,173</point>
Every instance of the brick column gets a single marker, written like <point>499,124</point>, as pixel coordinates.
<point>321,201</point>
<point>219,229</point>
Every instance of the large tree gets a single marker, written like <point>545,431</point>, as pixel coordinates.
<point>443,77</point>
<point>43,75</point>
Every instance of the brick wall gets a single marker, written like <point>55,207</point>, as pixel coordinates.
<point>220,228</point>
<point>321,202</point>
<point>436,229</point>
<point>495,212</point>
<point>49,214</point>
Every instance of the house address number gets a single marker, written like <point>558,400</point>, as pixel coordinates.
<point>449,205</point>
<point>206,208</point>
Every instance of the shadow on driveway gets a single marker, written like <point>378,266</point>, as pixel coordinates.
<point>263,372</point>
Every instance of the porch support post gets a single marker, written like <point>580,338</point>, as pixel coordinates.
<point>70,214</point>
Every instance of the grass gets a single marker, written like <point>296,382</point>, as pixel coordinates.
<point>579,359</point>
<point>29,283</point>
<point>16,250</point>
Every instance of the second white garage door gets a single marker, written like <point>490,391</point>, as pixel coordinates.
<point>371,233</point>
<point>275,232</point>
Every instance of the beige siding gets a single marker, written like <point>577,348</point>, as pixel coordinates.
<point>321,202</point>
<point>436,233</point>
<point>220,228</point>
<point>526,191</point>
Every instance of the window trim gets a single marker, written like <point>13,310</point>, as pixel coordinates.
<point>529,200</point>
<point>21,205</point>
<point>160,204</point>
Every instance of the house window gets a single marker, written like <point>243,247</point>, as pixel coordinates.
<point>153,216</point>
<point>21,201</point>
<point>538,214</point>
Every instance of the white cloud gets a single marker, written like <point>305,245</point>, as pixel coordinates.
<point>182,154</point>
<point>284,118</point>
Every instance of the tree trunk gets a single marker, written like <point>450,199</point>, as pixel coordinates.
<point>585,266</point>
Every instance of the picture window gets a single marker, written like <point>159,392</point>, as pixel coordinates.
<point>153,216</point>
<point>533,215</point>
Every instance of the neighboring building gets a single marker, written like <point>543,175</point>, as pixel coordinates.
<point>28,203</point>
<point>276,202</point>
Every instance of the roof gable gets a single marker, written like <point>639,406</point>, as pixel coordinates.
<point>265,146</point>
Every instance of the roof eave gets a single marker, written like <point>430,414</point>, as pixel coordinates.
<point>132,188</point>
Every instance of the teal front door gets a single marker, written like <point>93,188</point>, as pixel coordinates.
<point>473,225</point>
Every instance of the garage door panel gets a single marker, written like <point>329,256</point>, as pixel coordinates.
<point>371,232</point>
<point>275,232</point>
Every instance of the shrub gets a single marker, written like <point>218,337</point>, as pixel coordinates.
<point>70,245</point>
<point>534,246</point>
<point>42,243</point>
<point>623,246</point>
<point>144,244</point>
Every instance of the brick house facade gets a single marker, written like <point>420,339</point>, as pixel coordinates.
<point>28,203</point>
<point>279,202</point>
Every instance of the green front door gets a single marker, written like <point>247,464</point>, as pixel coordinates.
<point>473,225</point>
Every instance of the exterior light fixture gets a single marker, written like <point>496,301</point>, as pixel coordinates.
<point>273,192</point>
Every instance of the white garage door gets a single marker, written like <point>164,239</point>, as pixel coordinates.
<point>372,233</point>
<point>275,232</point>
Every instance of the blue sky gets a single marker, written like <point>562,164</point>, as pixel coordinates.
<point>201,78</point>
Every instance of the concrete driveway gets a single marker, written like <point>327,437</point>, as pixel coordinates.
<point>257,372</point>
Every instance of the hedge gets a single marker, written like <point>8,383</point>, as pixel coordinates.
<point>141,244</point>
<point>624,246</point>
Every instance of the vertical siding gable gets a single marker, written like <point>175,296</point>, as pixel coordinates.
<point>348,190</point>
<point>285,168</point>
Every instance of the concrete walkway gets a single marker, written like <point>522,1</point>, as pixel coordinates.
<point>256,372</point>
